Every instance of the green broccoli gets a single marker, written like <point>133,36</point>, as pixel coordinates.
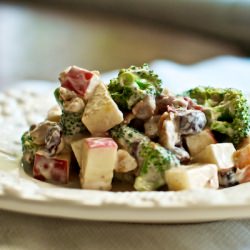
<point>71,123</point>
<point>57,97</point>
<point>153,160</point>
<point>29,148</point>
<point>127,137</point>
<point>132,85</point>
<point>227,111</point>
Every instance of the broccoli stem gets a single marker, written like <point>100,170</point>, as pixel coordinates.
<point>127,138</point>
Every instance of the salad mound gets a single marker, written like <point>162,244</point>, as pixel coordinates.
<point>133,130</point>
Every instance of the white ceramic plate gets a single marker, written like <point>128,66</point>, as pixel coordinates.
<point>21,106</point>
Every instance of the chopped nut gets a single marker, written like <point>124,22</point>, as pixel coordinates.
<point>145,108</point>
<point>54,114</point>
<point>125,162</point>
<point>169,130</point>
<point>74,105</point>
<point>151,126</point>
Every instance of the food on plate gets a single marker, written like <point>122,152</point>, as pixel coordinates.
<point>220,154</point>
<point>29,148</point>
<point>242,157</point>
<point>227,111</point>
<point>245,141</point>
<point>54,114</point>
<point>134,85</point>
<point>80,81</point>
<point>244,175</point>
<point>192,176</point>
<point>76,147</point>
<point>72,110</point>
<point>228,177</point>
<point>52,168</point>
<point>98,161</point>
<point>153,160</point>
<point>125,162</point>
<point>197,142</point>
<point>134,131</point>
<point>101,112</point>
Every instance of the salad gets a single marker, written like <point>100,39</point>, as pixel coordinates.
<point>135,131</point>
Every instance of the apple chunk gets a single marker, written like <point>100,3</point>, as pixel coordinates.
<point>53,169</point>
<point>192,177</point>
<point>242,157</point>
<point>99,155</point>
<point>81,81</point>
<point>220,154</point>
<point>101,112</point>
<point>197,142</point>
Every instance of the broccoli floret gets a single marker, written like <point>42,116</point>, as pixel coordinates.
<point>153,160</point>
<point>71,123</point>
<point>29,148</point>
<point>227,111</point>
<point>132,85</point>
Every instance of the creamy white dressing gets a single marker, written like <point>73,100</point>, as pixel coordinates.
<point>74,105</point>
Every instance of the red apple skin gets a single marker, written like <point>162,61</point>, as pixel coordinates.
<point>51,169</point>
<point>100,142</point>
<point>76,79</point>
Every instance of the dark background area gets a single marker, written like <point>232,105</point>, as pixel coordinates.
<point>40,38</point>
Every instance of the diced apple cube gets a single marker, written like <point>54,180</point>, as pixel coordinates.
<point>220,154</point>
<point>81,81</point>
<point>98,162</point>
<point>101,112</point>
<point>193,176</point>
<point>197,142</point>
<point>242,157</point>
<point>53,169</point>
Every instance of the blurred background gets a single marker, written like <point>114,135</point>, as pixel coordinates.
<point>38,39</point>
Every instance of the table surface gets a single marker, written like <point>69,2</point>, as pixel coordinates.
<point>39,41</point>
<point>29,232</point>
